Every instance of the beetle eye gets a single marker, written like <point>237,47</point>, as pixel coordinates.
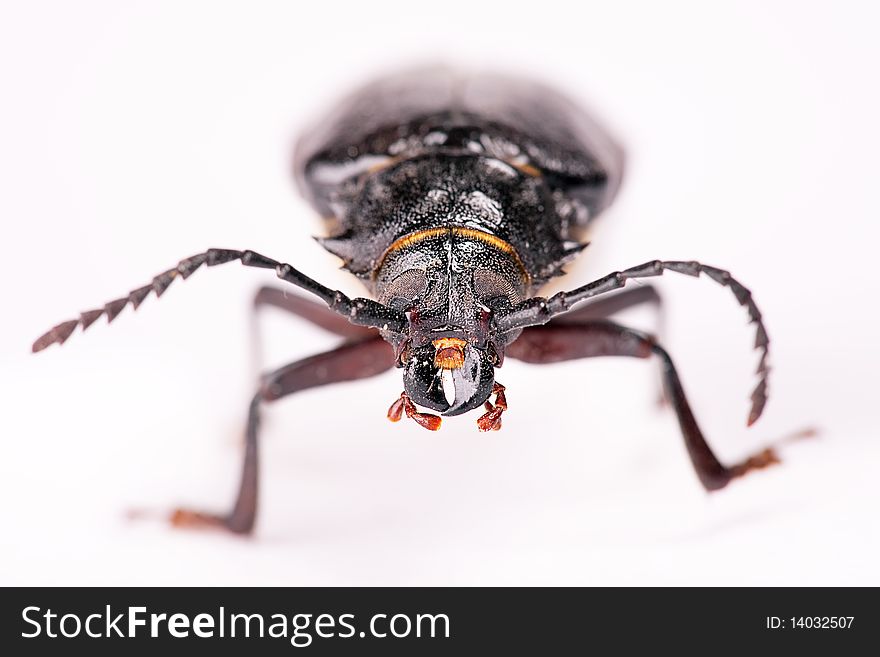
<point>494,290</point>
<point>405,289</point>
<point>493,355</point>
<point>404,353</point>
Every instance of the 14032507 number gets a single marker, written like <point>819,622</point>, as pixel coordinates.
<point>810,622</point>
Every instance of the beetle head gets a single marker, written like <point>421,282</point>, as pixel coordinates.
<point>449,375</point>
<point>449,284</point>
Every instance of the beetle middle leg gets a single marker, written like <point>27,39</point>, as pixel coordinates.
<point>314,313</point>
<point>561,342</point>
<point>349,362</point>
<point>606,307</point>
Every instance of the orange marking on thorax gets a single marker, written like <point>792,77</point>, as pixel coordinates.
<point>456,231</point>
<point>528,169</point>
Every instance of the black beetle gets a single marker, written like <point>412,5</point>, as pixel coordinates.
<point>454,199</point>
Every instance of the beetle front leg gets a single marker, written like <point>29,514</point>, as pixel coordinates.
<point>315,313</point>
<point>349,362</point>
<point>605,307</point>
<point>555,343</point>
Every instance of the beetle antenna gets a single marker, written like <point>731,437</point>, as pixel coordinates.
<point>363,312</point>
<point>540,310</point>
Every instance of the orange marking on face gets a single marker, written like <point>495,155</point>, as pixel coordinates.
<point>450,353</point>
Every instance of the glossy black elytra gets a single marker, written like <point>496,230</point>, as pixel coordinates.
<point>454,199</point>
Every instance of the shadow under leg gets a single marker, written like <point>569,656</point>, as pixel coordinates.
<point>555,343</point>
<point>352,361</point>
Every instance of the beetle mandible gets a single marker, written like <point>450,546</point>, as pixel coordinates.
<point>454,199</point>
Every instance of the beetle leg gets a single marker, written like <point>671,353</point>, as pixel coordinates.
<point>605,307</point>
<point>540,310</point>
<point>349,362</point>
<point>311,311</point>
<point>555,343</point>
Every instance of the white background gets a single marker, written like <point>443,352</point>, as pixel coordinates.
<point>137,133</point>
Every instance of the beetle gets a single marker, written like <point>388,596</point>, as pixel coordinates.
<point>454,199</point>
